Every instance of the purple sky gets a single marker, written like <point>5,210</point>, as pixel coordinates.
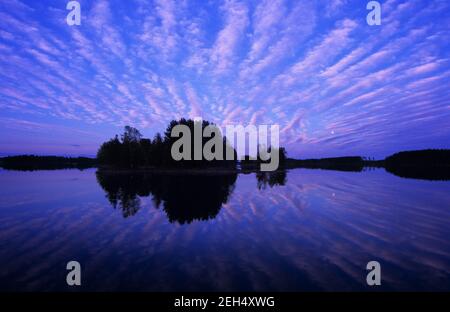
<point>335,85</point>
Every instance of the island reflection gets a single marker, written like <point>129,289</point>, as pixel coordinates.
<point>184,197</point>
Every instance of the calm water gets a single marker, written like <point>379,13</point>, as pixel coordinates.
<point>306,230</point>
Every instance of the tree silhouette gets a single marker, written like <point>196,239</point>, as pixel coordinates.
<point>133,151</point>
<point>271,179</point>
<point>183,197</point>
<point>131,135</point>
<point>423,164</point>
<point>203,163</point>
<point>32,162</point>
<point>254,162</point>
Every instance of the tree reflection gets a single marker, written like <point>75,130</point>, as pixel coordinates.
<point>184,197</point>
<point>272,178</point>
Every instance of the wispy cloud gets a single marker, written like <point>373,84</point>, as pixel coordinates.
<point>334,84</point>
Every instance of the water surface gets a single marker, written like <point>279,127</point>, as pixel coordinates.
<point>296,231</point>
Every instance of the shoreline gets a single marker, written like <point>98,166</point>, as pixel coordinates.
<point>422,164</point>
<point>179,171</point>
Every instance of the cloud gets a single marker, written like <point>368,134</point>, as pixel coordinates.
<point>194,101</point>
<point>297,25</point>
<point>315,68</point>
<point>320,55</point>
<point>236,21</point>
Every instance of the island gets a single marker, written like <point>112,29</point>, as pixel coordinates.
<point>131,152</point>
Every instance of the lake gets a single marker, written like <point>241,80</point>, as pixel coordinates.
<point>301,230</point>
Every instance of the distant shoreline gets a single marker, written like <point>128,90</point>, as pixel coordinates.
<point>422,164</point>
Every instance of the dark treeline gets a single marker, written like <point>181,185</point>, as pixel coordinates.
<point>133,151</point>
<point>423,164</point>
<point>31,162</point>
<point>430,157</point>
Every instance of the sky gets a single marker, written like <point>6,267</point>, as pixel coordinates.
<point>335,85</point>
